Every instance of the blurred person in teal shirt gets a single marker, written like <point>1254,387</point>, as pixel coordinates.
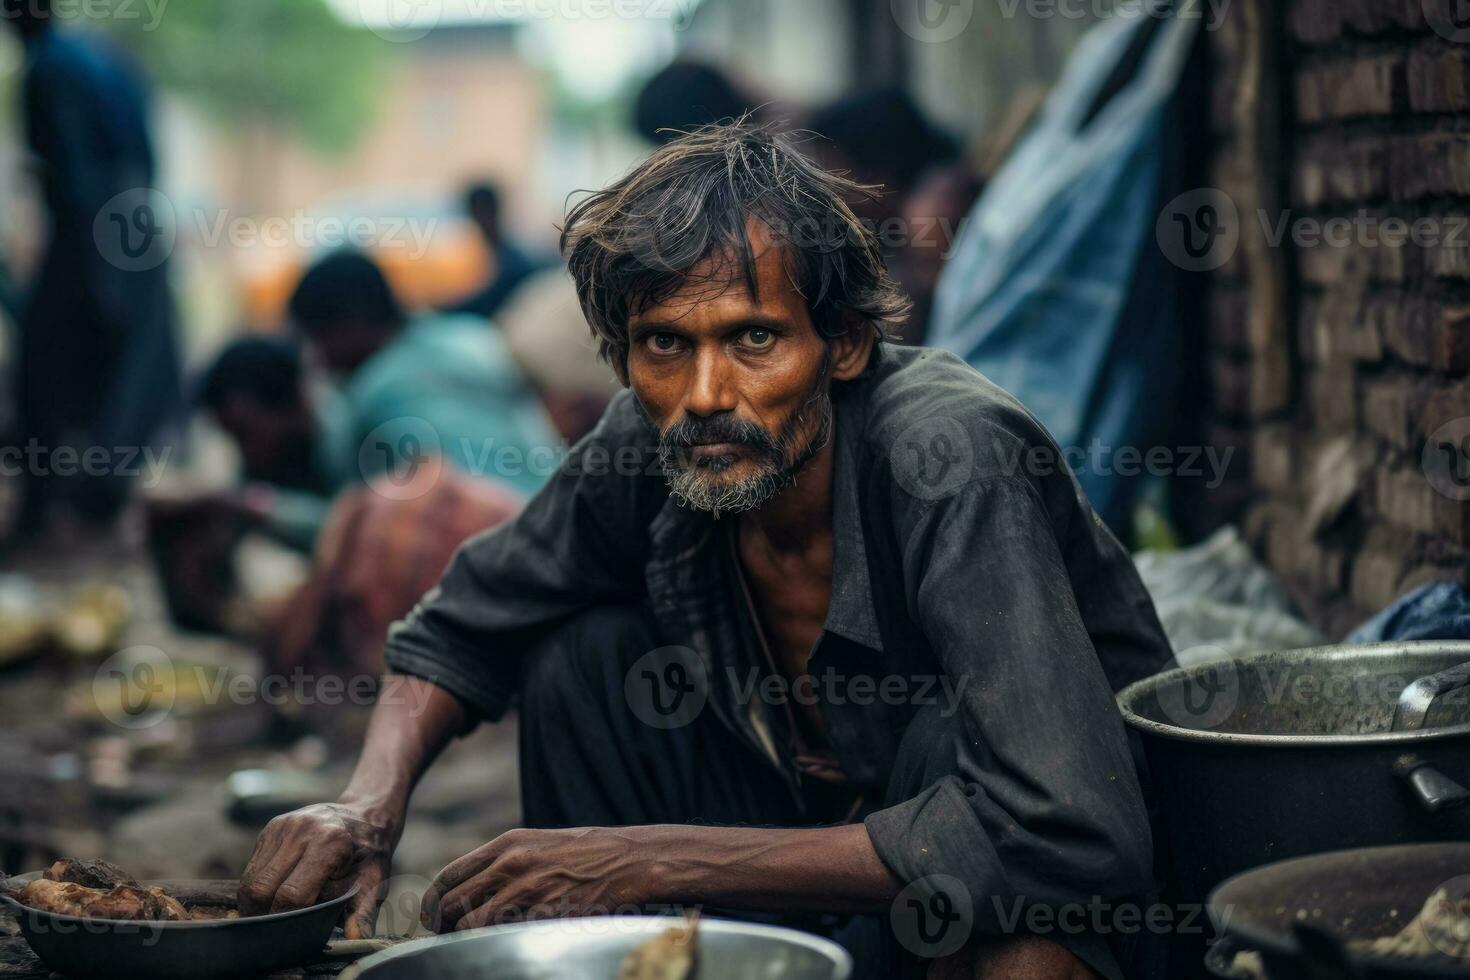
<point>408,397</point>
<point>406,390</point>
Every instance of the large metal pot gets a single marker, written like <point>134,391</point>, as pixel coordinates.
<point>1281,754</point>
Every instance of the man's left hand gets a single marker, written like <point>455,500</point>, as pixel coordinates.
<point>544,874</point>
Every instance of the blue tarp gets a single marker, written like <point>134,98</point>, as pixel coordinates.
<point>1054,288</point>
<point>1438,611</point>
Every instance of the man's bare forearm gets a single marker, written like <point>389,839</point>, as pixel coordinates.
<point>826,869</point>
<point>412,723</point>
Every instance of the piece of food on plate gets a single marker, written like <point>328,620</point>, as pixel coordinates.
<point>670,956</point>
<point>127,902</point>
<point>93,874</point>
<point>1442,928</point>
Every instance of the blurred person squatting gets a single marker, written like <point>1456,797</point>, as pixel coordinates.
<point>430,435</point>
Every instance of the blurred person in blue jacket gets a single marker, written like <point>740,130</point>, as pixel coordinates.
<point>97,365</point>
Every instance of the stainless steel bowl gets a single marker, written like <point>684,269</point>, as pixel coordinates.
<point>594,949</point>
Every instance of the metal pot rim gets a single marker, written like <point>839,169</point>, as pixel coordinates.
<point>1131,694</point>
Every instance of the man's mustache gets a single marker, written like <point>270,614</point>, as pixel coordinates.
<point>690,432</point>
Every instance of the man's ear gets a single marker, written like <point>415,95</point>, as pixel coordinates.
<point>853,349</point>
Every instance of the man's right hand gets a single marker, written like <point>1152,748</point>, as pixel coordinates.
<point>317,853</point>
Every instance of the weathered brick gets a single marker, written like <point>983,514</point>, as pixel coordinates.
<point>1232,387</point>
<point>1428,165</point>
<point>1425,574</point>
<point>1448,257</point>
<point>1408,14</point>
<point>1299,560</point>
<point>1380,568</point>
<point>1341,326</point>
<point>1334,478</point>
<point>1393,408</point>
<point>1425,335</point>
<point>1350,89</point>
<point>1439,406</point>
<point>1439,78</point>
<point>1404,498</point>
<point>1273,459</point>
<point>1230,319</point>
<point>1332,395</point>
<point>1315,22</point>
<point>1328,171</point>
<point>1379,16</point>
<point>1322,263</point>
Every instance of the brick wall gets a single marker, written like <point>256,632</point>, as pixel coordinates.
<point>1374,333</point>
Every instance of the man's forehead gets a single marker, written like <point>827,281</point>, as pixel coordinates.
<point>720,278</point>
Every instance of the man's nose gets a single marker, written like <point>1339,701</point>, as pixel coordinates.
<point>711,390</point>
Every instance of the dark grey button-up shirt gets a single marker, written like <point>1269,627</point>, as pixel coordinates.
<point>967,565</point>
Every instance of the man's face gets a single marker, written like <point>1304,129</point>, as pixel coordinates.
<point>737,385</point>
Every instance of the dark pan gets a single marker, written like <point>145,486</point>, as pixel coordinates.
<point>206,950</point>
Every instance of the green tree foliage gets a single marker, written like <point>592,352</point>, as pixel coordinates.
<point>291,63</point>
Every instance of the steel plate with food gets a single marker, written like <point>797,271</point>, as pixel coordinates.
<point>614,948</point>
<point>91,919</point>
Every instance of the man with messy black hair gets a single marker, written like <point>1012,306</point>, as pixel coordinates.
<point>803,628</point>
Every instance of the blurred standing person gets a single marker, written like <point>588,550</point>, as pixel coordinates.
<point>513,264</point>
<point>98,364</point>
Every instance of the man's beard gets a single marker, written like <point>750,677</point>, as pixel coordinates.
<point>777,459</point>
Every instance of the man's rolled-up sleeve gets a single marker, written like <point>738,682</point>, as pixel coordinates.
<point>1045,806</point>
<point>580,542</point>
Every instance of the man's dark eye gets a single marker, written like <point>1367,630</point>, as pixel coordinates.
<point>663,342</point>
<point>759,339</point>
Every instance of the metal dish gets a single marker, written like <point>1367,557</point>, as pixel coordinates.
<point>594,949</point>
<point>1345,895</point>
<point>86,948</point>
